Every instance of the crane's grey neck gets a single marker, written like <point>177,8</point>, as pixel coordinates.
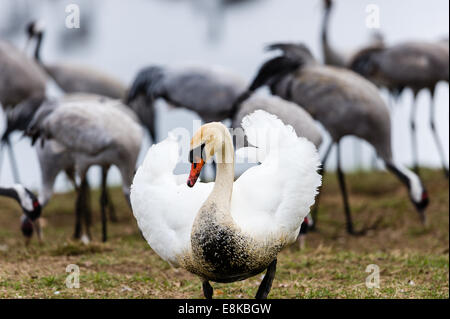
<point>409,179</point>
<point>325,24</point>
<point>37,51</point>
<point>9,192</point>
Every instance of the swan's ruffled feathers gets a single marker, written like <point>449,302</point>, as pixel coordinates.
<point>275,196</point>
<point>271,199</point>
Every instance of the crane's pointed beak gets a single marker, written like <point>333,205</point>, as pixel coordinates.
<point>422,207</point>
<point>423,218</point>
<point>37,227</point>
<point>196,168</point>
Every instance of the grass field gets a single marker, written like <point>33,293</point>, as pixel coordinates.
<point>413,260</point>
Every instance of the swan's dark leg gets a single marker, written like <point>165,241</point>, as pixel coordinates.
<point>436,136</point>
<point>207,289</point>
<point>266,283</point>
<point>103,203</point>
<point>315,209</point>
<point>341,178</point>
<point>412,121</point>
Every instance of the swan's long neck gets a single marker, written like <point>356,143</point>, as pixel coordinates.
<point>223,187</point>
<point>220,251</point>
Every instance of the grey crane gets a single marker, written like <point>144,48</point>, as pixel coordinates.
<point>209,91</point>
<point>345,103</point>
<point>22,82</point>
<point>74,78</point>
<point>332,56</point>
<point>31,209</point>
<point>414,65</point>
<point>86,130</point>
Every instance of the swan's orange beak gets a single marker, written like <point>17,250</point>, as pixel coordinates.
<point>196,168</point>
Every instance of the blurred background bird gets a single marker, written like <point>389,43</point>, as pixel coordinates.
<point>31,210</point>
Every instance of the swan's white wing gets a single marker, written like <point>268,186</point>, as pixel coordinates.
<point>275,196</point>
<point>162,203</point>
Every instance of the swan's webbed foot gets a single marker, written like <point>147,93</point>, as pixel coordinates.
<point>266,283</point>
<point>207,289</point>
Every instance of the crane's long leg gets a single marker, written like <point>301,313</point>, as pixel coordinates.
<point>87,211</point>
<point>79,211</point>
<point>266,284</point>
<point>103,203</point>
<point>1,157</point>
<point>315,209</point>
<point>341,178</point>
<point>207,289</point>
<point>436,136</point>
<point>111,210</point>
<point>82,211</point>
<point>12,160</point>
<point>412,121</point>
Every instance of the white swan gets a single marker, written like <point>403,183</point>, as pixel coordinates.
<point>228,230</point>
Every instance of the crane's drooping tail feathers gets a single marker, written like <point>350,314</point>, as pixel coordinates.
<point>273,69</point>
<point>269,72</point>
<point>149,83</point>
<point>363,62</point>
<point>298,52</point>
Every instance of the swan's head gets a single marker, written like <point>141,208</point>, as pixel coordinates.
<point>210,139</point>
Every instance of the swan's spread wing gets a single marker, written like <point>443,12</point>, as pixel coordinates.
<point>275,196</point>
<point>162,203</point>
